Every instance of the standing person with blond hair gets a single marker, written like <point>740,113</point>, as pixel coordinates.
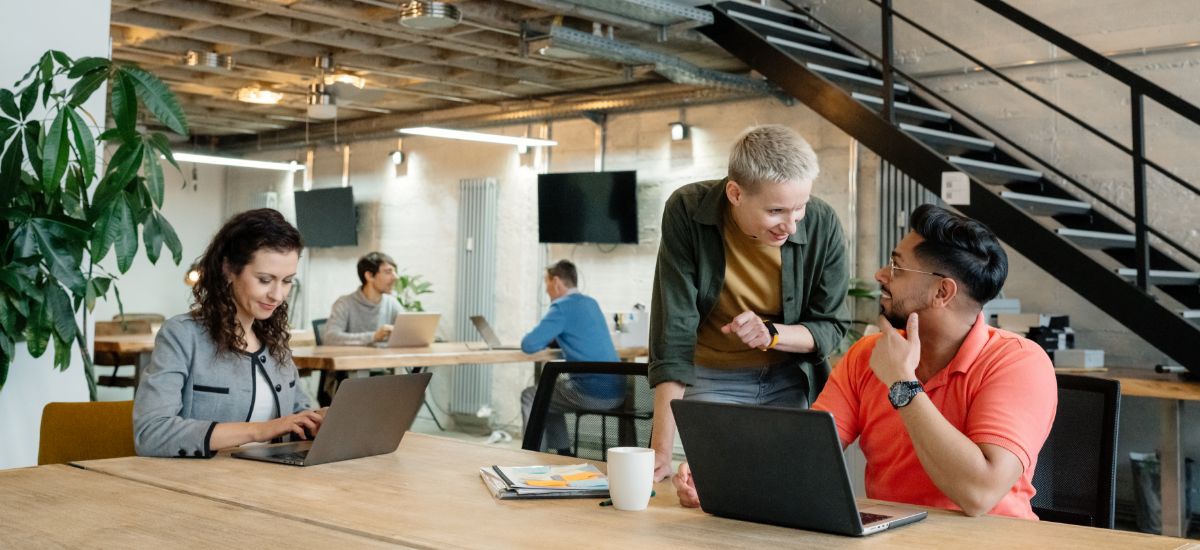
<point>750,285</point>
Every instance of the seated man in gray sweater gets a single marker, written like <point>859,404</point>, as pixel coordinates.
<point>365,316</point>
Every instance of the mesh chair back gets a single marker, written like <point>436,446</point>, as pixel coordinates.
<point>318,328</point>
<point>593,430</point>
<point>1077,467</point>
<point>86,431</point>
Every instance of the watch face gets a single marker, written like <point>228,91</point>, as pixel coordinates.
<point>899,395</point>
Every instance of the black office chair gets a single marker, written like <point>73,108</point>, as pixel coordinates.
<point>592,432</point>
<point>318,328</point>
<point>1077,467</point>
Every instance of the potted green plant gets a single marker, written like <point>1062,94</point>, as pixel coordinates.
<point>408,290</point>
<point>59,215</point>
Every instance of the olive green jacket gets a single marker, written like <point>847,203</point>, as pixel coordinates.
<point>690,273</point>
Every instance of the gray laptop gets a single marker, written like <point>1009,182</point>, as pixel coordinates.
<point>489,335</point>
<point>778,466</point>
<point>368,417</point>
<point>412,329</point>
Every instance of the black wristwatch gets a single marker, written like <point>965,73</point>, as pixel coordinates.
<point>902,393</point>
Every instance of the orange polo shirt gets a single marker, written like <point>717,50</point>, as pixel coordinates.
<point>999,389</point>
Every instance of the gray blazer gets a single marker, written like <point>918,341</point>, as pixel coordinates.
<point>188,388</point>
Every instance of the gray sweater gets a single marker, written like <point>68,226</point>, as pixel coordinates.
<point>354,319</point>
<point>188,388</point>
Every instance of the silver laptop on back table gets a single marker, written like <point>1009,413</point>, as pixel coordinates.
<point>412,330</point>
<point>368,417</point>
<point>489,335</point>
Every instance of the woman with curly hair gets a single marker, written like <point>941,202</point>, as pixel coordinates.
<point>222,374</point>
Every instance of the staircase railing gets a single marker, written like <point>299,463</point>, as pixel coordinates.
<point>1139,89</point>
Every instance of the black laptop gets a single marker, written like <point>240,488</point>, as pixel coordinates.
<point>368,416</point>
<point>776,465</point>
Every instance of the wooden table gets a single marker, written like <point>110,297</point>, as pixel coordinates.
<point>1172,391</point>
<point>340,360</point>
<point>428,494</point>
<point>61,506</point>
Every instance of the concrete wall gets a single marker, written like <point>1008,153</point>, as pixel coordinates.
<point>33,382</point>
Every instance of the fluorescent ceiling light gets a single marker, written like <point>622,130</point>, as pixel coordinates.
<point>240,163</point>
<point>254,94</point>
<point>345,78</point>
<point>475,136</point>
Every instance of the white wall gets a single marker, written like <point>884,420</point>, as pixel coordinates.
<point>26,31</point>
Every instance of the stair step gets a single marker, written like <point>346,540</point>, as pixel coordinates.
<point>1192,314</point>
<point>1163,276</point>
<point>764,10</point>
<point>1046,206</point>
<point>845,76</point>
<point>994,170</point>
<point>1097,239</point>
<point>949,140</point>
<point>823,55</point>
<point>793,32</point>
<point>904,109</point>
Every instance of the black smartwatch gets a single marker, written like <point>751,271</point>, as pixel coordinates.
<point>902,393</point>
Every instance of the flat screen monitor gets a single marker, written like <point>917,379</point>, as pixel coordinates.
<point>588,207</point>
<point>326,217</point>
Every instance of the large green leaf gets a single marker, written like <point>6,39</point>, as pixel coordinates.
<point>8,104</point>
<point>32,137</point>
<point>152,170</point>
<point>157,98</point>
<point>86,65</point>
<point>86,86</point>
<point>38,329</point>
<point>106,227</point>
<point>124,106</point>
<point>170,237</point>
<point>124,163</point>
<point>126,244</point>
<point>97,288</point>
<point>55,150</point>
<point>62,353</point>
<point>28,100</point>
<point>160,143</point>
<point>61,313</point>
<point>62,58</point>
<point>10,171</point>
<point>58,244</point>
<point>18,279</point>
<point>153,238</point>
<point>85,146</point>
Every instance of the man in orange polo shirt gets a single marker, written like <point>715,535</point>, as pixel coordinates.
<point>950,412</point>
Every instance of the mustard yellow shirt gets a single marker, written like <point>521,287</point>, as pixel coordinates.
<point>752,282</point>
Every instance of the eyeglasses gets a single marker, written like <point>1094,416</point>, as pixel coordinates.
<point>892,265</point>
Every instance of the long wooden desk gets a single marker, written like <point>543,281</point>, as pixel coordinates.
<point>428,494</point>
<point>134,344</point>
<point>65,507</point>
<point>1172,391</point>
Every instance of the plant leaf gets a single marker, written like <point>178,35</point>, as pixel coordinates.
<point>54,241</point>
<point>97,288</point>
<point>37,330</point>
<point>10,171</point>
<point>62,352</point>
<point>160,143</point>
<point>170,237</point>
<point>157,98</point>
<point>85,65</point>
<point>153,237</point>
<point>154,174</point>
<point>55,149</point>
<point>32,138</point>
<point>86,86</point>
<point>126,243</point>
<point>125,162</point>
<point>62,314</point>
<point>8,104</point>
<point>85,146</point>
<point>28,100</point>
<point>124,106</point>
<point>62,58</point>
<point>105,228</point>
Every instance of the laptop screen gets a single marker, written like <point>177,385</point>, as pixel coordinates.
<point>485,330</point>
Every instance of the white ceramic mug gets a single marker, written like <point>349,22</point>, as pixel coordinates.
<point>630,477</point>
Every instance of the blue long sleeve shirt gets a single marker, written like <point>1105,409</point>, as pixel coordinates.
<point>576,322</point>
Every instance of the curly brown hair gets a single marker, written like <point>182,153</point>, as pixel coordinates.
<point>232,248</point>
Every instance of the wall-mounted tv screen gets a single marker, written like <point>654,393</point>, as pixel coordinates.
<point>326,217</point>
<point>588,207</point>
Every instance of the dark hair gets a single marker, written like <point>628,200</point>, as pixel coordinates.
<point>233,247</point>
<point>565,271</point>
<point>371,263</point>
<point>963,249</point>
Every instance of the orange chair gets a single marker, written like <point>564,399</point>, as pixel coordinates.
<point>86,431</point>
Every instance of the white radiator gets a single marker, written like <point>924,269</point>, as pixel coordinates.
<point>471,386</point>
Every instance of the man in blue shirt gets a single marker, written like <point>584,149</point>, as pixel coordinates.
<point>577,324</point>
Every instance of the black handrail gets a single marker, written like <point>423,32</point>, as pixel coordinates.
<point>996,134</point>
<point>1139,88</point>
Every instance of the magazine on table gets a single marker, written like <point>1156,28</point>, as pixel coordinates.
<point>566,481</point>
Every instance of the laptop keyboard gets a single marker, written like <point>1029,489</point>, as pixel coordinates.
<point>868,519</point>
<point>292,458</point>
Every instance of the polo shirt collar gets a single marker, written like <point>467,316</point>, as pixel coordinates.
<point>709,212</point>
<point>968,352</point>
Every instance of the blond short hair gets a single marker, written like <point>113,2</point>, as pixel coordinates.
<point>772,154</point>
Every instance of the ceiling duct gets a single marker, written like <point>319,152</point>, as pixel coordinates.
<point>657,12</point>
<point>211,61</point>
<point>429,16</point>
<point>670,67</point>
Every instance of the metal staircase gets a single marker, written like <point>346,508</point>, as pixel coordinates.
<point>1050,220</point>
